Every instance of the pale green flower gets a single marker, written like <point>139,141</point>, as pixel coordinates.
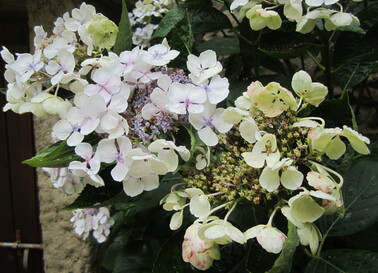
<point>310,235</point>
<point>340,19</point>
<point>273,99</point>
<point>312,93</point>
<point>221,232</point>
<point>358,141</point>
<point>199,203</point>
<point>260,18</point>
<point>104,32</point>
<point>293,9</point>
<point>290,177</point>
<point>265,150</point>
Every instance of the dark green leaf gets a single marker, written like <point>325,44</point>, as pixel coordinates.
<point>335,112</point>
<point>205,18</point>
<point>353,73</point>
<point>221,45</point>
<point>95,197</point>
<point>56,156</point>
<point>344,261</point>
<point>353,28</point>
<point>169,21</point>
<point>117,245</point>
<point>124,37</point>
<point>3,91</point>
<point>181,39</point>
<point>284,261</point>
<point>369,16</point>
<point>360,192</point>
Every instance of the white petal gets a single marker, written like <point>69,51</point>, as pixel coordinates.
<point>133,186</point>
<point>208,136</point>
<point>269,179</point>
<point>150,182</point>
<point>291,178</point>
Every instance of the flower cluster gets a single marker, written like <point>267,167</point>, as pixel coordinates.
<point>305,14</point>
<point>143,16</point>
<point>125,112</point>
<point>95,220</point>
<point>264,158</point>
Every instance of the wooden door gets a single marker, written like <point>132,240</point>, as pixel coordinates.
<point>19,213</point>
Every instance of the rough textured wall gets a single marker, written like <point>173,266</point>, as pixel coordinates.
<point>64,252</point>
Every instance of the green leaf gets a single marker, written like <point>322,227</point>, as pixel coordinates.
<point>284,261</point>
<point>344,261</point>
<point>57,155</point>
<point>181,39</point>
<point>124,37</point>
<point>205,18</point>
<point>116,246</point>
<point>169,21</point>
<point>360,192</point>
<point>3,91</point>
<point>95,197</point>
<point>221,45</point>
<point>335,112</point>
<point>353,73</point>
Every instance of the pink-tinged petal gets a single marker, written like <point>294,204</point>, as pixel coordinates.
<point>160,98</point>
<point>196,94</point>
<point>118,103</point>
<point>124,144</point>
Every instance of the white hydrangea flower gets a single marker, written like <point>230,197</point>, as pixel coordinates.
<point>85,151</point>
<point>61,68</point>
<point>221,232</point>
<point>115,150</point>
<point>205,121</point>
<point>64,179</point>
<point>160,54</point>
<point>217,90</point>
<point>186,98</point>
<point>134,186</point>
<point>203,67</point>
<point>166,153</point>
<point>27,64</point>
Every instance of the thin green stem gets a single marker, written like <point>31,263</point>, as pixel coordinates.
<point>316,61</point>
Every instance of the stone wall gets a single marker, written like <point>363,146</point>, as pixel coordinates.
<point>64,252</point>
